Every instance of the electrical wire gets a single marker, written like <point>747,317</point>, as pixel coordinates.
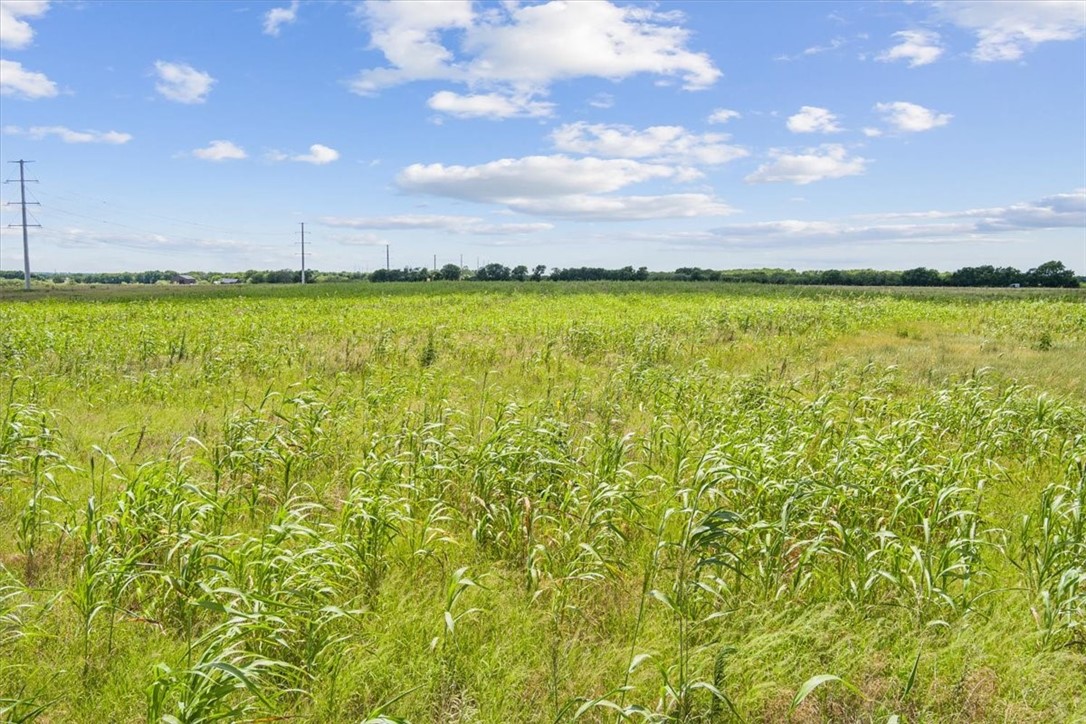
<point>75,196</point>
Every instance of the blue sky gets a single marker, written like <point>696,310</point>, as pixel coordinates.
<point>197,135</point>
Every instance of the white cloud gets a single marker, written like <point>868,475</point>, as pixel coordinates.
<point>825,162</point>
<point>318,155</point>
<point>220,151</point>
<point>556,40</point>
<point>1006,30</point>
<point>520,50</point>
<point>723,115</point>
<point>358,239</point>
<point>74,237</point>
<point>22,83</point>
<point>602,100</point>
<point>871,132</point>
<point>1060,210</point>
<point>488,105</point>
<point>531,176</point>
<point>506,229</point>
<point>563,187</point>
<point>586,207</point>
<point>401,221</point>
<point>910,117</point>
<point>276,18</point>
<point>450,223</point>
<point>812,119</point>
<point>182,83</point>
<point>67,135</point>
<point>672,144</point>
<point>793,232</point>
<point>408,34</point>
<point>1054,212</point>
<point>15,32</point>
<point>919,47</point>
<point>834,44</point>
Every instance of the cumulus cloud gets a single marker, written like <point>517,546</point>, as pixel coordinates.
<point>15,31</point>
<point>220,151</point>
<point>409,36</point>
<point>910,117</point>
<point>318,155</point>
<point>531,176</point>
<point>671,144</point>
<point>276,18</point>
<point>812,119</point>
<point>15,80</point>
<point>451,223</point>
<point>518,51</point>
<point>563,187</point>
<point>828,161</point>
<point>1007,30</point>
<point>182,83</point>
<point>488,105</point>
<point>67,135</point>
<point>871,132</point>
<point>723,115</point>
<point>918,47</point>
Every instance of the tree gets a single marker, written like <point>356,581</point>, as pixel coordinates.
<point>493,273</point>
<point>450,272</point>
<point>921,277</point>
<point>1051,274</point>
<point>519,273</point>
<point>538,272</point>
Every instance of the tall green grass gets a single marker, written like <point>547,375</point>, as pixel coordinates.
<point>543,504</point>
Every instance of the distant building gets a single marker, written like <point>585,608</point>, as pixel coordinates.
<point>184,279</point>
<point>228,280</point>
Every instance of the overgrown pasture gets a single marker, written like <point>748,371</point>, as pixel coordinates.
<point>542,503</point>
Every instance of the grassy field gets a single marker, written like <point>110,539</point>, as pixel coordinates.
<point>542,503</point>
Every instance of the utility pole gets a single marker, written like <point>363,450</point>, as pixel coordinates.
<point>303,251</point>
<point>22,202</point>
<point>388,267</point>
<point>435,262</point>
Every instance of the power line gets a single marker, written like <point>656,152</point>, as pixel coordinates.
<point>114,242</point>
<point>22,203</point>
<point>76,196</point>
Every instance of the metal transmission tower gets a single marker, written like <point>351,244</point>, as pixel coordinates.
<point>23,202</point>
<point>303,251</point>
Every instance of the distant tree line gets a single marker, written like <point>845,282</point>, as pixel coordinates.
<point>1049,274</point>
